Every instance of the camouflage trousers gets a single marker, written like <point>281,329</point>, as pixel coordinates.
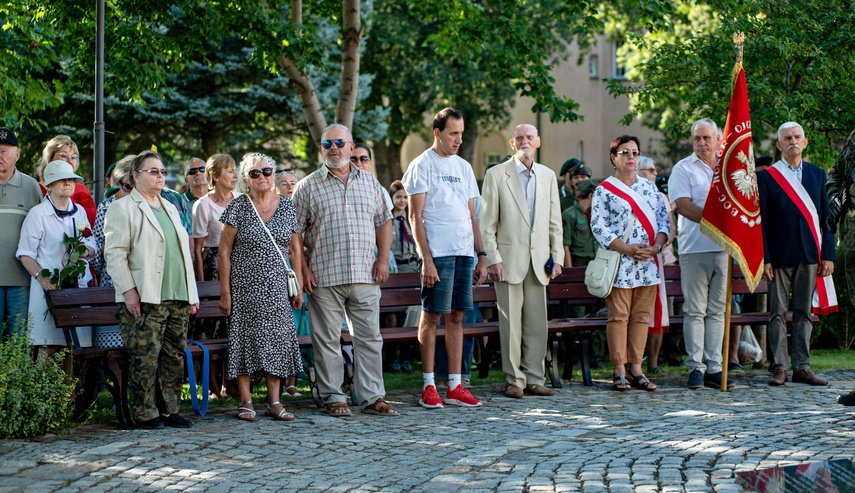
<point>155,342</point>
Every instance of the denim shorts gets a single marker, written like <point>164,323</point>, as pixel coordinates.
<point>454,289</point>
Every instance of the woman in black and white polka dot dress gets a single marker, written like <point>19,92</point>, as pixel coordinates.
<point>254,286</point>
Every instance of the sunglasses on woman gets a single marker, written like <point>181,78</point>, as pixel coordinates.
<point>255,173</point>
<point>356,159</point>
<point>326,144</point>
<point>125,187</point>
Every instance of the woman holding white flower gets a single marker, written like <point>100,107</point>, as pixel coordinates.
<point>49,231</point>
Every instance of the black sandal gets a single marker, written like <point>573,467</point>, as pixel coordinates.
<point>640,382</point>
<point>620,384</point>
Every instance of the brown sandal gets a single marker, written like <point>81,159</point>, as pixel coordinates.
<point>338,409</point>
<point>380,408</point>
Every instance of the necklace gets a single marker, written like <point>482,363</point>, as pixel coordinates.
<point>258,205</point>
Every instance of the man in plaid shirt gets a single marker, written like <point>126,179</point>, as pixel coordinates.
<point>343,216</point>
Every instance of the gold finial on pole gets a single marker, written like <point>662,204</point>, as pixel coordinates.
<point>739,39</point>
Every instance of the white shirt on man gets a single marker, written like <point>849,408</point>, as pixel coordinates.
<point>449,184</point>
<point>691,178</point>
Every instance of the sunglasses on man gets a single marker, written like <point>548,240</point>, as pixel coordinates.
<point>327,144</point>
<point>193,171</point>
<point>255,173</point>
<point>356,159</point>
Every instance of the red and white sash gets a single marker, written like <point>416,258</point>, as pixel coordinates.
<point>658,321</point>
<point>824,296</point>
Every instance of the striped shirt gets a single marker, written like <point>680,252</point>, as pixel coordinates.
<point>338,224</point>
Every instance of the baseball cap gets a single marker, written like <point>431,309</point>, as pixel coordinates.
<point>7,136</point>
<point>586,187</point>
<point>568,165</point>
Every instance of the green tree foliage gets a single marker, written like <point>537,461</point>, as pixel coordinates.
<point>798,57</point>
<point>474,55</point>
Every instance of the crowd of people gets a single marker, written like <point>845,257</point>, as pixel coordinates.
<point>272,240</point>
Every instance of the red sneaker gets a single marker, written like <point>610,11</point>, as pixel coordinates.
<point>461,397</point>
<point>430,398</point>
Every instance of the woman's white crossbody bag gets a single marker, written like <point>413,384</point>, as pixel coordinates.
<point>293,289</point>
<point>601,272</point>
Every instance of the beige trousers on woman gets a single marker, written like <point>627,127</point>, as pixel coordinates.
<point>626,328</point>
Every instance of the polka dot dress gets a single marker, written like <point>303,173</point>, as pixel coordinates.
<point>262,337</point>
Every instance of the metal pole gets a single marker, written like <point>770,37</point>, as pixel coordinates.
<point>98,158</point>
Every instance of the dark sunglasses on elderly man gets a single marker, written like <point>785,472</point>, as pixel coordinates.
<point>255,173</point>
<point>193,171</point>
<point>326,144</point>
<point>356,159</point>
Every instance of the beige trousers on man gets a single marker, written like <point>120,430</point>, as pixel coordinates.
<point>523,330</point>
<point>327,311</point>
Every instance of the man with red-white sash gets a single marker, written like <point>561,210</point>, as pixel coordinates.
<point>799,253</point>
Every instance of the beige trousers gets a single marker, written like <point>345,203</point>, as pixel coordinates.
<point>522,330</point>
<point>626,328</point>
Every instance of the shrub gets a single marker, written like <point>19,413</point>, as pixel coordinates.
<point>35,396</point>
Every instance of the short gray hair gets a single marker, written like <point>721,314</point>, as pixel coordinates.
<point>338,126</point>
<point>787,125</point>
<point>247,162</point>
<point>704,120</point>
<point>645,161</point>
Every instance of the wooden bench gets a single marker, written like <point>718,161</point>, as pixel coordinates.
<point>96,307</point>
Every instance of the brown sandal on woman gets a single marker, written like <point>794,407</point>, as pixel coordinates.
<point>246,413</point>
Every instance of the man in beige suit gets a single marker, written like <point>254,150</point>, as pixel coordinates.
<point>521,232</point>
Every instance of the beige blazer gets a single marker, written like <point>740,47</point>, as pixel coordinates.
<point>134,248</point>
<point>508,235</point>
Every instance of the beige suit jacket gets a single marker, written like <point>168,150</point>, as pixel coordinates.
<point>134,249</point>
<point>506,231</point>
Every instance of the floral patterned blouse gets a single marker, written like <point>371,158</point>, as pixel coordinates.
<point>610,217</point>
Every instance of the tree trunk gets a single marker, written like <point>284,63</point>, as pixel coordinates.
<point>209,143</point>
<point>351,38</point>
<point>387,161</point>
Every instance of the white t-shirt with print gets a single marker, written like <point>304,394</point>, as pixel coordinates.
<point>449,183</point>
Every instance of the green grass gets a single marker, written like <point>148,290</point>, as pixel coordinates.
<point>821,360</point>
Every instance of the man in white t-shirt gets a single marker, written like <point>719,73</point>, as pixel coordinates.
<point>703,264</point>
<point>442,192</point>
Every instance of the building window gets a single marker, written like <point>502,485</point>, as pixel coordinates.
<point>593,65</point>
<point>618,69</point>
<point>491,158</point>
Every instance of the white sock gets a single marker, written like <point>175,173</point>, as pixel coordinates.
<point>453,380</point>
<point>428,379</point>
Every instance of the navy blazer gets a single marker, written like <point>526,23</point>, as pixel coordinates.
<point>787,240</point>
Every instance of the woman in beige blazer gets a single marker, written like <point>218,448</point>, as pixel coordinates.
<point>147,251</point>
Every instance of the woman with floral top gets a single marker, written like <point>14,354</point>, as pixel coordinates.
<point>626,206</point>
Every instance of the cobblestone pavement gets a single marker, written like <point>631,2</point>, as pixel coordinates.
<point>581,440</point>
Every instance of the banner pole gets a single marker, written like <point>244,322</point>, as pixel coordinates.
<point>726,340</point>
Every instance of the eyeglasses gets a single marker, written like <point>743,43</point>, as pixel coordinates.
<point>326,144</point>
<point>255,173</point>
<point>68,157</point>
<point>193,171</point>
<point>356,159</point>
<point>126,187</point>
<point>630,152</point>
<point>154,171</point>
<point>652,170</point>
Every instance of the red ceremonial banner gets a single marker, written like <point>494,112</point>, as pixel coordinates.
<point>731,216</point>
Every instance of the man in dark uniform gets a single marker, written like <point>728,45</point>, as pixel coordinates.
<point>572,171</point>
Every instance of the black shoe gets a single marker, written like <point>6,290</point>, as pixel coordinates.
<point>846,400</point>
<point>714,380</point>
<point>175,421</point>
<point>151,424</point>
<point>696,379</point>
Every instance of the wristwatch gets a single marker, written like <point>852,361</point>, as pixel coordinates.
<point>660,248</point>
<point>482,254</point>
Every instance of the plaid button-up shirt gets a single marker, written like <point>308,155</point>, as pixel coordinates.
<point>338,224</point>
